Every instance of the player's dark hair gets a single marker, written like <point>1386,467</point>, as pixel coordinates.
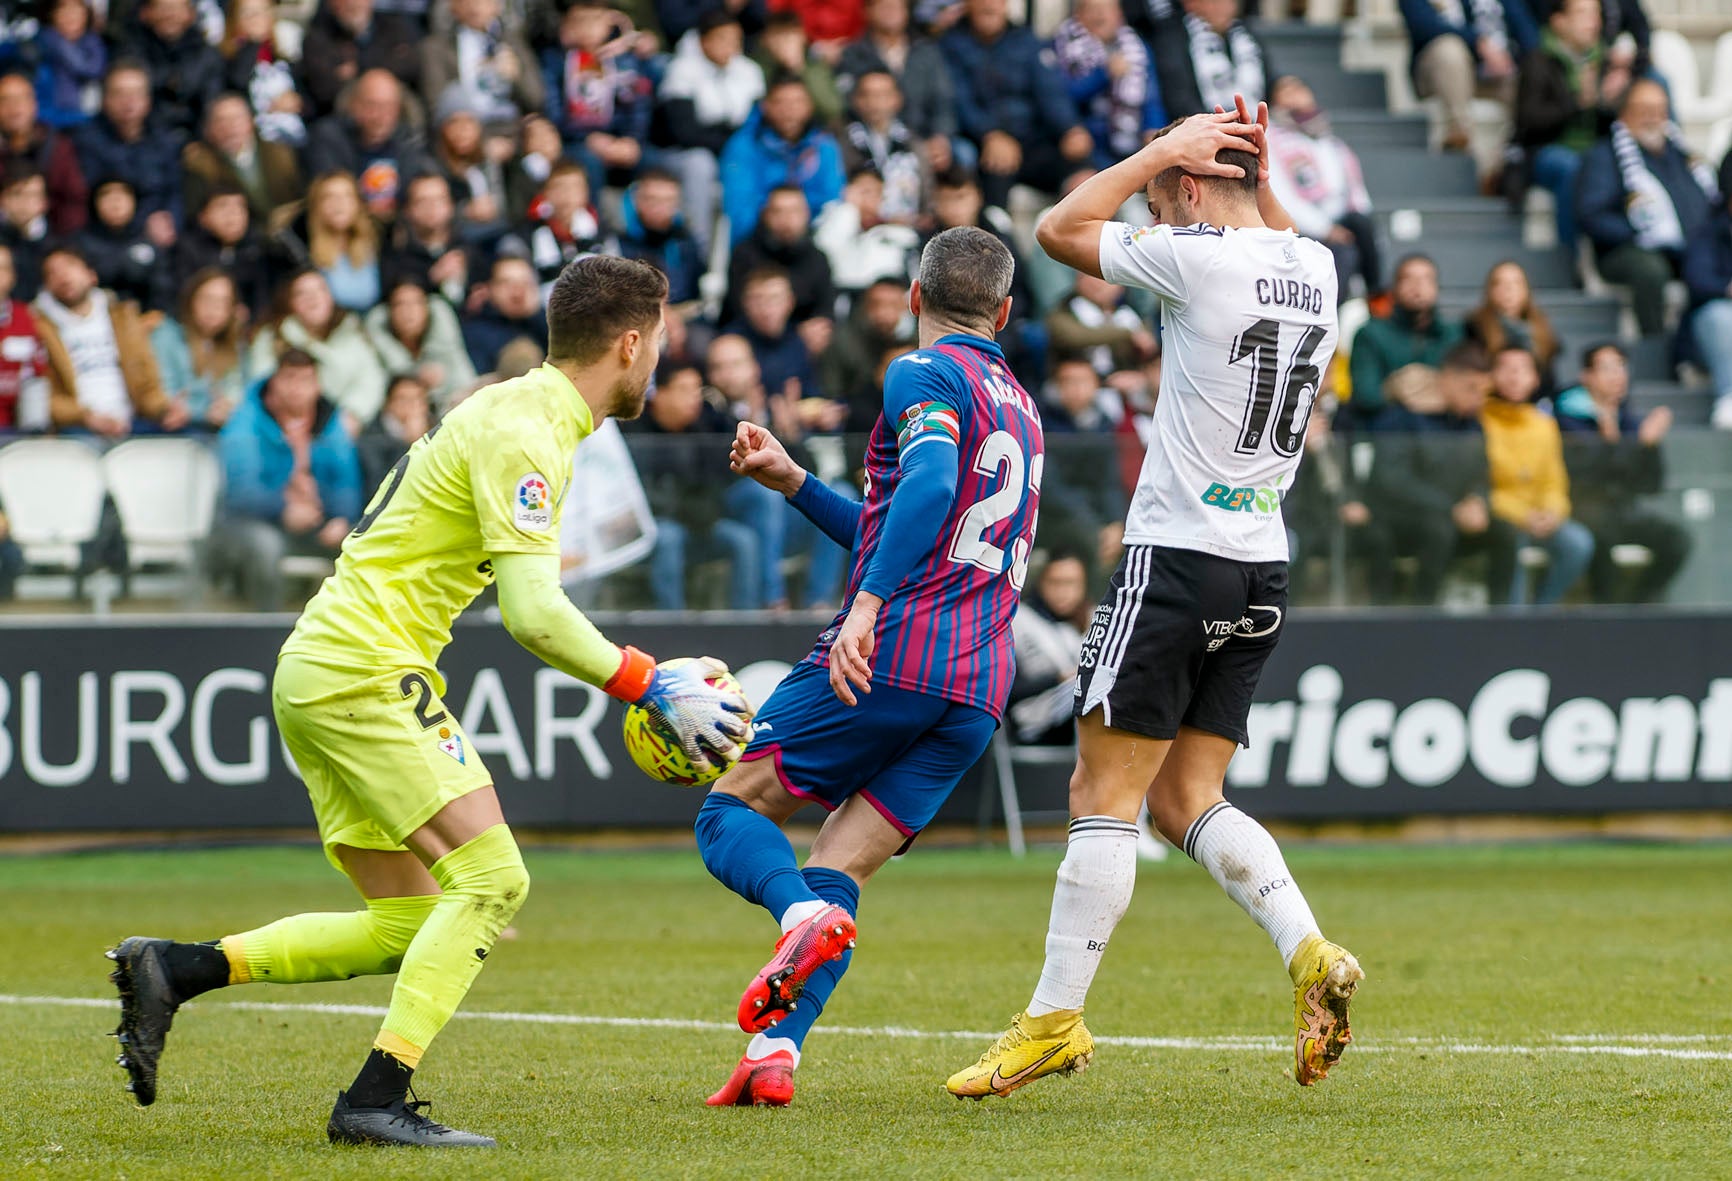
<point>1245,184</point>
<point>595,300</point>
<point>1467,356</point>
<point>965,275</point>
<point>1591,354</point>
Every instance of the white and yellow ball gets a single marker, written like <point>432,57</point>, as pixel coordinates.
<point>660,759</point>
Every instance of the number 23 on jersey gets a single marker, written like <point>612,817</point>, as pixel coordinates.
<point>999,453</point>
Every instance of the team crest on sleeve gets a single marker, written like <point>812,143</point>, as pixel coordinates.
<point>532,506</point>
<point>452,745</point>
<point>925,420</point>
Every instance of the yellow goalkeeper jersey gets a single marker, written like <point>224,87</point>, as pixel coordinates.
<point>490,479</point>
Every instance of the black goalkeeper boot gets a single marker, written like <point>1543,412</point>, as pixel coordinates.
<point>399,1124</point>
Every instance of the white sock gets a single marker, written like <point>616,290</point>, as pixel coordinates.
<point>1095,881</point>
<point>801,911</point>
<point>762,1047</point>
<point>1240,854</point>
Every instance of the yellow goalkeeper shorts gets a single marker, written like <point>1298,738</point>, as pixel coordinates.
<point>380,755</point>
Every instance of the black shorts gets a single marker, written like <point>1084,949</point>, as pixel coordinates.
<point>1180,640</point>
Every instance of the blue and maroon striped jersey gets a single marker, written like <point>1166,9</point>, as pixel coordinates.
<point>946,629</point>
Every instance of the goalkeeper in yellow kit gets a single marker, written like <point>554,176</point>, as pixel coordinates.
<point>404,806</point>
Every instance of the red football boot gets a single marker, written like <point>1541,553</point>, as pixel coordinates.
<point>758,1082</point>
<point>824,937</point>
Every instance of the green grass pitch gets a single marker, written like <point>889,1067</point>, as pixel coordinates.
<point>1544,1012</point>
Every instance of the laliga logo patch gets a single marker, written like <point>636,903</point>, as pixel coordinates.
<point>451,744</point>
<point>532,507</point>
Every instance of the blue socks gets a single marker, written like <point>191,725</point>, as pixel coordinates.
<point>748,854</point>
<point>837,888</point>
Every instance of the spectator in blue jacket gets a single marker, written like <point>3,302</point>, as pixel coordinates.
<point>1643,199</point>
<point>1110,74</point>
<point>1708,274</point>
<point>74,58</point>
<point>656,232</point>
<point>1464,47</point>
<point>511,312</point>
<point>600,99</point>
<point>186,71</point>
<point>1011,104</point>
<point>778,145</point>
<point>123,141</point>
<point>784,360</point>
<point>292,479</point>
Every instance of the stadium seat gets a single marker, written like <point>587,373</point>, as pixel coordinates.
<point>165,491</point>
<point>1719,87</point>
<point>1006,756</point>
<point>1675,60</point>
<point>52,492</point>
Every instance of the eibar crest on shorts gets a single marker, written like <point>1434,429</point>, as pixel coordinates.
<point>452,744</point>
<point>532,505</point>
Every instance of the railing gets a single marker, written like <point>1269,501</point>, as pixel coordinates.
<point>1386,554</point>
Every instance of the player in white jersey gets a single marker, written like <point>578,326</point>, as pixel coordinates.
<point>1172,657</point>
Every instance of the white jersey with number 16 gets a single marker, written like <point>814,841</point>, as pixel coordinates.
<point>1248,319</point>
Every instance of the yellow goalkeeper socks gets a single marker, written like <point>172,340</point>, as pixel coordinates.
<point>484,883</point>
<point>306,948</point>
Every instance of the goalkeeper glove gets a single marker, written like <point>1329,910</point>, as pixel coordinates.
<point>706,723</point>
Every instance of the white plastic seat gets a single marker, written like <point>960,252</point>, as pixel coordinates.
<point>1720,84</point>
<point>1675,60</point>
<point>51,491</point>
<point>165,491</point>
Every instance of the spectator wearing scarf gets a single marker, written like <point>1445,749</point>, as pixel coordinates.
<point>1566,100</point>
<point>1111,78</point>
<point>1207,56</point>
<point>1317,178</point>
<point>1641,199</point>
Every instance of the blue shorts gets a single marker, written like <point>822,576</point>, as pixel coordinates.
<point>902,752</point>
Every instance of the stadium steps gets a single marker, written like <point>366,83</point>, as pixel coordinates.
<point>1368,131</point>
<point>1433,199</point>
<point>1313,52</point>
<point>1399,176</point>
<point>1690,408</point>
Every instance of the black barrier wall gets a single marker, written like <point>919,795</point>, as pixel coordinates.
<point>147,725</point>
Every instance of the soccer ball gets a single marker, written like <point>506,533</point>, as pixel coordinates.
<point>660,759</point>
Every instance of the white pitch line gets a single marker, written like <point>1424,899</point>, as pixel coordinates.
<point>1618,1045</point>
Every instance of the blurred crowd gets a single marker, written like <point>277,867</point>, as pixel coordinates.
<point>308,231</point>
